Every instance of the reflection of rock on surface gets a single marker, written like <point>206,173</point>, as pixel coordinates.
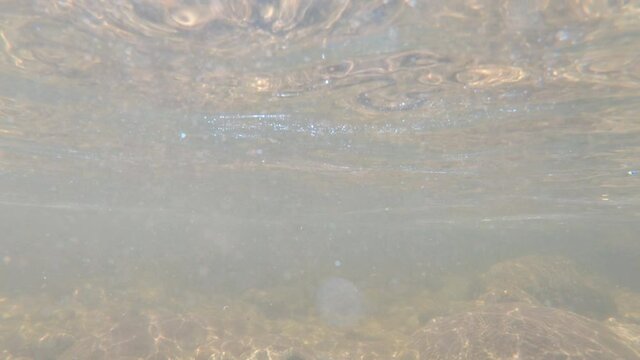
<point>339,302</point>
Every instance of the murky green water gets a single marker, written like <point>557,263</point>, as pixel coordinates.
<point>306,179</point>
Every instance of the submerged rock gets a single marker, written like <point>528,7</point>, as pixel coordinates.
<point>518,331</point>
<point>550,281</point>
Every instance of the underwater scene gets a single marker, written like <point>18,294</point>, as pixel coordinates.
<point>319,179</point>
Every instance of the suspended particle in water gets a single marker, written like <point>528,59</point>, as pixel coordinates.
<point>339,302</point>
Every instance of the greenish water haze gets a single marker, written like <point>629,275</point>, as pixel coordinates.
<point>209,179</point>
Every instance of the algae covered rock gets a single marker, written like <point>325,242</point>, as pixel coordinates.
<point>550,281</point>
<point>518,331</point>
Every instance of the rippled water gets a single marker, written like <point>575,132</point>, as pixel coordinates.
<point>311,179</point>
